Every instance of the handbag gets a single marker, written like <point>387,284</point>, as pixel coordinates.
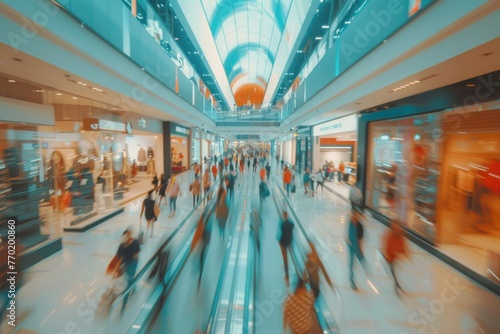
<point>294,188</point>
<point>157,211</point>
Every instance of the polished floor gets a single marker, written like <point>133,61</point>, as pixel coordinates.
<point>59,293</point>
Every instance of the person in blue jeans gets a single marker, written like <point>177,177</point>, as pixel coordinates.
<point>354,243</point>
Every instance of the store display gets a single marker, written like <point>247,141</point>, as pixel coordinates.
<point>19,200</point>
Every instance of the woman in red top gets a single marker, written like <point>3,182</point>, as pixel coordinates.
<point>287,179</point>
<point>394,247</point>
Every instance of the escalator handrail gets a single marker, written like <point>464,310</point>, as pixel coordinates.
<point>167,289</point>
<point>157,254</point>
<point>296,257</point>
<point>216,303</point>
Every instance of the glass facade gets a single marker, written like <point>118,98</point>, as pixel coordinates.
<point>440,179</point>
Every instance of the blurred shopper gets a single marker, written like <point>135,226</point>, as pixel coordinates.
<point>262,173</point>
<point>299,315</point>
<point>306,179</point>
<point>155,182</point>
<point>394,247</point>
<point>248,164</point>
<point>325,170</point>
<point>313,266</point>
<point>173,191</point>
<point>195,189</point>
<point>320,180</point>
<point>268,170</point>
<point>242,166</point>
<point>287,179</point>
<point>214,171</point>
<point>128,255</point>
<point>226,162</point>
<point>151,211</point>
<point>354,242</point>
<point>356,198</point>
<point>263,192</point>
<point>162,189</point>
<point>255,164</point>
<point>231,180</point>
<point>285,241</point>
<point>312,178</point>
<point>341,171</point>
<point>221,211</point>
<point>196,169</point>
<point>206,183</point>
<point>282,163</point>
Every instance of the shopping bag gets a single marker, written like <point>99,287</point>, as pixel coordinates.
<point>115,267</point>
<point>140,237</point>
<point>266,190</point>
<point>117,286</point>
<point>198,234</point>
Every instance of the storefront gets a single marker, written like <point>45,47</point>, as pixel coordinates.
<point>439,174</point>
<point>98,163</point>
<point>287,148</point>
<point>335,149</point>
<point>195,156</point>
<point>303,152</point>
<point>177,141</point>
<point>26,183</point>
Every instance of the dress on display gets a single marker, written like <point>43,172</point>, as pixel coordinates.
<point>141,155</point>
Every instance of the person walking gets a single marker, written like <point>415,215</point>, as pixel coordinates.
<point>306,179</point>
<point>150,209</point>
<point>263,192</point>
<point>312,269</point>
<point>287,179</point>
<point>231,180</point>
<point>155,182</point>
<point>394,247</point>
<point>299,315</point>
<point>285,242</point>
<point>268,170</point>
<point>341,172</point>
<point>320,181</point>
<point>312,178</point>
<point>214,171</point>
<point>162,189</point>
<point>173,191</point>
<point>128,255</point>
<point>221,211</point>
<point>255,164</point>
<point>354,243</point>
<point>195,189</point>
<point>262,173</point>
<point>206,183</point>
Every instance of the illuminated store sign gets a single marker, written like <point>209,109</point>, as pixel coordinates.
<point>345,124</point>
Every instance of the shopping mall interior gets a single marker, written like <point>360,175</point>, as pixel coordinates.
<point>248,166</point>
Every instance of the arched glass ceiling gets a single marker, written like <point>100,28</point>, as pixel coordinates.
<point>247,34</point>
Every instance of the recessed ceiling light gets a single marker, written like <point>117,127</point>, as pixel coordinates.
<point>75,98</point>
<point>59,94</point>
<point>325,27</point>
<point>471,85</point>
<point>12,80</point>
<point>318,38</point>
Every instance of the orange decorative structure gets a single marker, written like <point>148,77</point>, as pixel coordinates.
<point>249,93</point>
